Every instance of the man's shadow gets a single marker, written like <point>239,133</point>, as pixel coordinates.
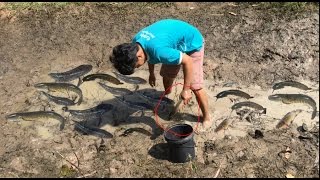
<point>122,114</point>
<point>159,151</point>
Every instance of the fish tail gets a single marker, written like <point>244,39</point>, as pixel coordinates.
<point>279,125</point>
<point>313,114</point>
<point>80,99</point>
<point>264,111</point>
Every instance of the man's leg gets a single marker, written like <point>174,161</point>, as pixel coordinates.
<point>202,98</point>
<point>169,73</point>
<point>197,87</point>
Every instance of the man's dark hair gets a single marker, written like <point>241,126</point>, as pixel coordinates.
<point>124,57</point>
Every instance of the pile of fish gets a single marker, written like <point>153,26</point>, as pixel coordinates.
<point>292,98</point>
<point>284,98</point>
<point>61,86</point>
<point>74,96</point>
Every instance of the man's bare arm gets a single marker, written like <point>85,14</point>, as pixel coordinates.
<point>187,71</point>
<point>151,68</point>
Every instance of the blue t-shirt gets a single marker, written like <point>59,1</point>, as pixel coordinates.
<point>164,41</point>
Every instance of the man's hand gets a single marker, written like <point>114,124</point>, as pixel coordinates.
<point>186,96</point>
<point>152,80</point>
<point>187,72</point>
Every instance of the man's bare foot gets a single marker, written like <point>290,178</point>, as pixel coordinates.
<point>207,123</point>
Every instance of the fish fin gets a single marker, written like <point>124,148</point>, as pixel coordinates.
<point>79,82</point>
<point>99,121</point>
<point>313,114</point>
<point>285,102</point>
<point>80,100</point>
<point>137,87</point>
<point>24,119</point>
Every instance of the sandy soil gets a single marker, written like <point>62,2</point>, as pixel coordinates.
<point>37,43</point>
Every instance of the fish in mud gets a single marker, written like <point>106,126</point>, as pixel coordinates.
<point>135,105</point>
<point>72,74</point>
<point>37,115</point>
<point>249,104</point>
<point>116,91</point>
<point>61,87</point>
<point>102,76</point>
<point>154,99</point>
<point>131,130</point>
<point>59,100</point>
<point>229,84</point>
<point>295,84</point>
<point>223,125</point>
<point>130,79</point>
<point>86,113</point>
<point>288,118</point>
<point>295,98</point>
<point>234,92</point>
<point>91,130</point>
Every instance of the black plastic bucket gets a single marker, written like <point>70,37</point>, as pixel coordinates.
<point>181,144</point>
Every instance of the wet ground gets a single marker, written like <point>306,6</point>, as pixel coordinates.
<point>246,47</point>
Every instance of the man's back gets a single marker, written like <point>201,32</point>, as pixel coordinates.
<point>165,40</point>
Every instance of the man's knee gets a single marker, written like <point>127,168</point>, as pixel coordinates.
<point>197,92</point>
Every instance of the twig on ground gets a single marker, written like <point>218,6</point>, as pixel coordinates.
<point>246,115</point>
<point>14,174</point>
<point>79,170</point>
<point>86,175</point>
<point>219,168</point>
<point>217,173</point>
<point>78,162</point>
